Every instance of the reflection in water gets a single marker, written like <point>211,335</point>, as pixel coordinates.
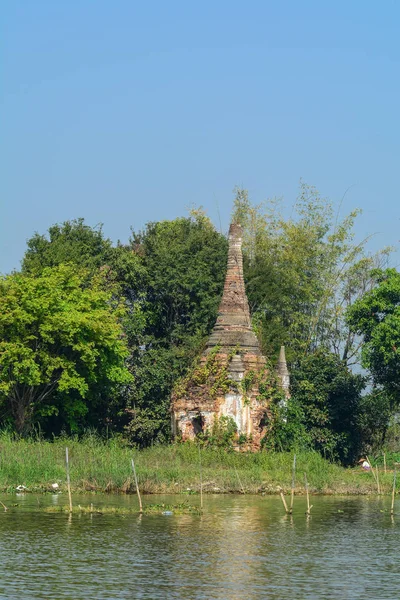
<point>240,548</point>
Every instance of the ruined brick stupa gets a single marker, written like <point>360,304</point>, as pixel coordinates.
<point>231,379</point>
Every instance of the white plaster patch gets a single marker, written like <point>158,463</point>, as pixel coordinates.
<point>233,407</point>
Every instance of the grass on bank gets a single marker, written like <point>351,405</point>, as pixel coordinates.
<point>105,466</point>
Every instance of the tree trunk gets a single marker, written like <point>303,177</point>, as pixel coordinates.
<point>24,401</point>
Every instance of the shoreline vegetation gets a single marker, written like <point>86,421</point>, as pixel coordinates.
<point>96,465</point>
<point>97,336</point>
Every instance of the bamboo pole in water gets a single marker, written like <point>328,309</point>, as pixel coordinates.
<point>308,511</point>
<point>370,464</point>
<point>238,478</point>
<point>201,481</point>
<point>293,484</point>
<point>68,480</point>
<point>284,502</point>
<point>393,491</point>
<point>377,480</point>
<point>4,506</point>
<point>373,473</point>
<point>137,488</point>
<point>384,462</point>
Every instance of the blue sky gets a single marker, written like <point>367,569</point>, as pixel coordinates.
<point>123,112</point>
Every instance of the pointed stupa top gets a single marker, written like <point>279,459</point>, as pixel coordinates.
<point>283,372</point>
<point>282,364</point>
<point>233,326</point>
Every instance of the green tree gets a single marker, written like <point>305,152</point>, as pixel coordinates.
<point>185,261</point>
<point>170,277</point>
<point>329,398</point>
<point>69,242</point>
<point>374,419</point>
<point>376,318</point>
<point>121,268</point>
<point>185,264</point>
<point>75,242</point>
<point>302,272</point>
<point>60,336</point>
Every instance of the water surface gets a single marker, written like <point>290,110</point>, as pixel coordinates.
<point>241,548</point>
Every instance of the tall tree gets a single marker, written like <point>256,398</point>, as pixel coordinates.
<point>302,272</point>
<point>185,262</point>
<point>376,318</point>
<point>69,242</point>
<point>329,396</point>
<point>60,337</point>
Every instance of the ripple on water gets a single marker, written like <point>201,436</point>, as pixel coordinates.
<point>241,548</point>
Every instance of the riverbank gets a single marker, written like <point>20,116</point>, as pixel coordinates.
<point>98,466</point>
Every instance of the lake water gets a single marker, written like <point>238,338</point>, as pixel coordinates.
<point>241,548</point>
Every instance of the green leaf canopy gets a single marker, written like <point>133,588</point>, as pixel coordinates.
<point>60,333</point>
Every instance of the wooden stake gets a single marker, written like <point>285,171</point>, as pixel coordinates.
<point>238,478</point>
<point>372,471</point>
<point>68,480</point>
<point>4,506</point>
<point>284,503</point>
<point>393,491</point>
<point>377,481</point>
<point>308,511</point>
<point>293,483</point>
<point>201,481</point>
<point>384,462</point>
<point>137,488</point>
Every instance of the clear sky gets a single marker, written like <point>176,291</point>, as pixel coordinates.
<point>124,112</point>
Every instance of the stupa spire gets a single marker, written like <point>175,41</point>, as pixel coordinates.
<point>283,372</point>
<point>233,326</point>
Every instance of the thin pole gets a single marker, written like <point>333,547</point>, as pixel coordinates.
<point>384,461</point>
<point>238,478</point>
<point>393,491</point>
<point>308,511</point>
<point>4,506</point>
<point>370,464</point>
<point>201,481</point>
<point>137,488</point>
<point>284,502</point>
<point>377,480</point>
<point>68,480</point>
<point>372,471</point>
<point>293,483</point>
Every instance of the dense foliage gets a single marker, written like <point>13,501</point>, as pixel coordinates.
<point>94,334</point>
<point>71,242</point>
<point>184,261</point>
<point>168,279</point>
<point>61,346</point>
<point>302,273</point>
<point>376,317</point>
<point>329,395</point>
